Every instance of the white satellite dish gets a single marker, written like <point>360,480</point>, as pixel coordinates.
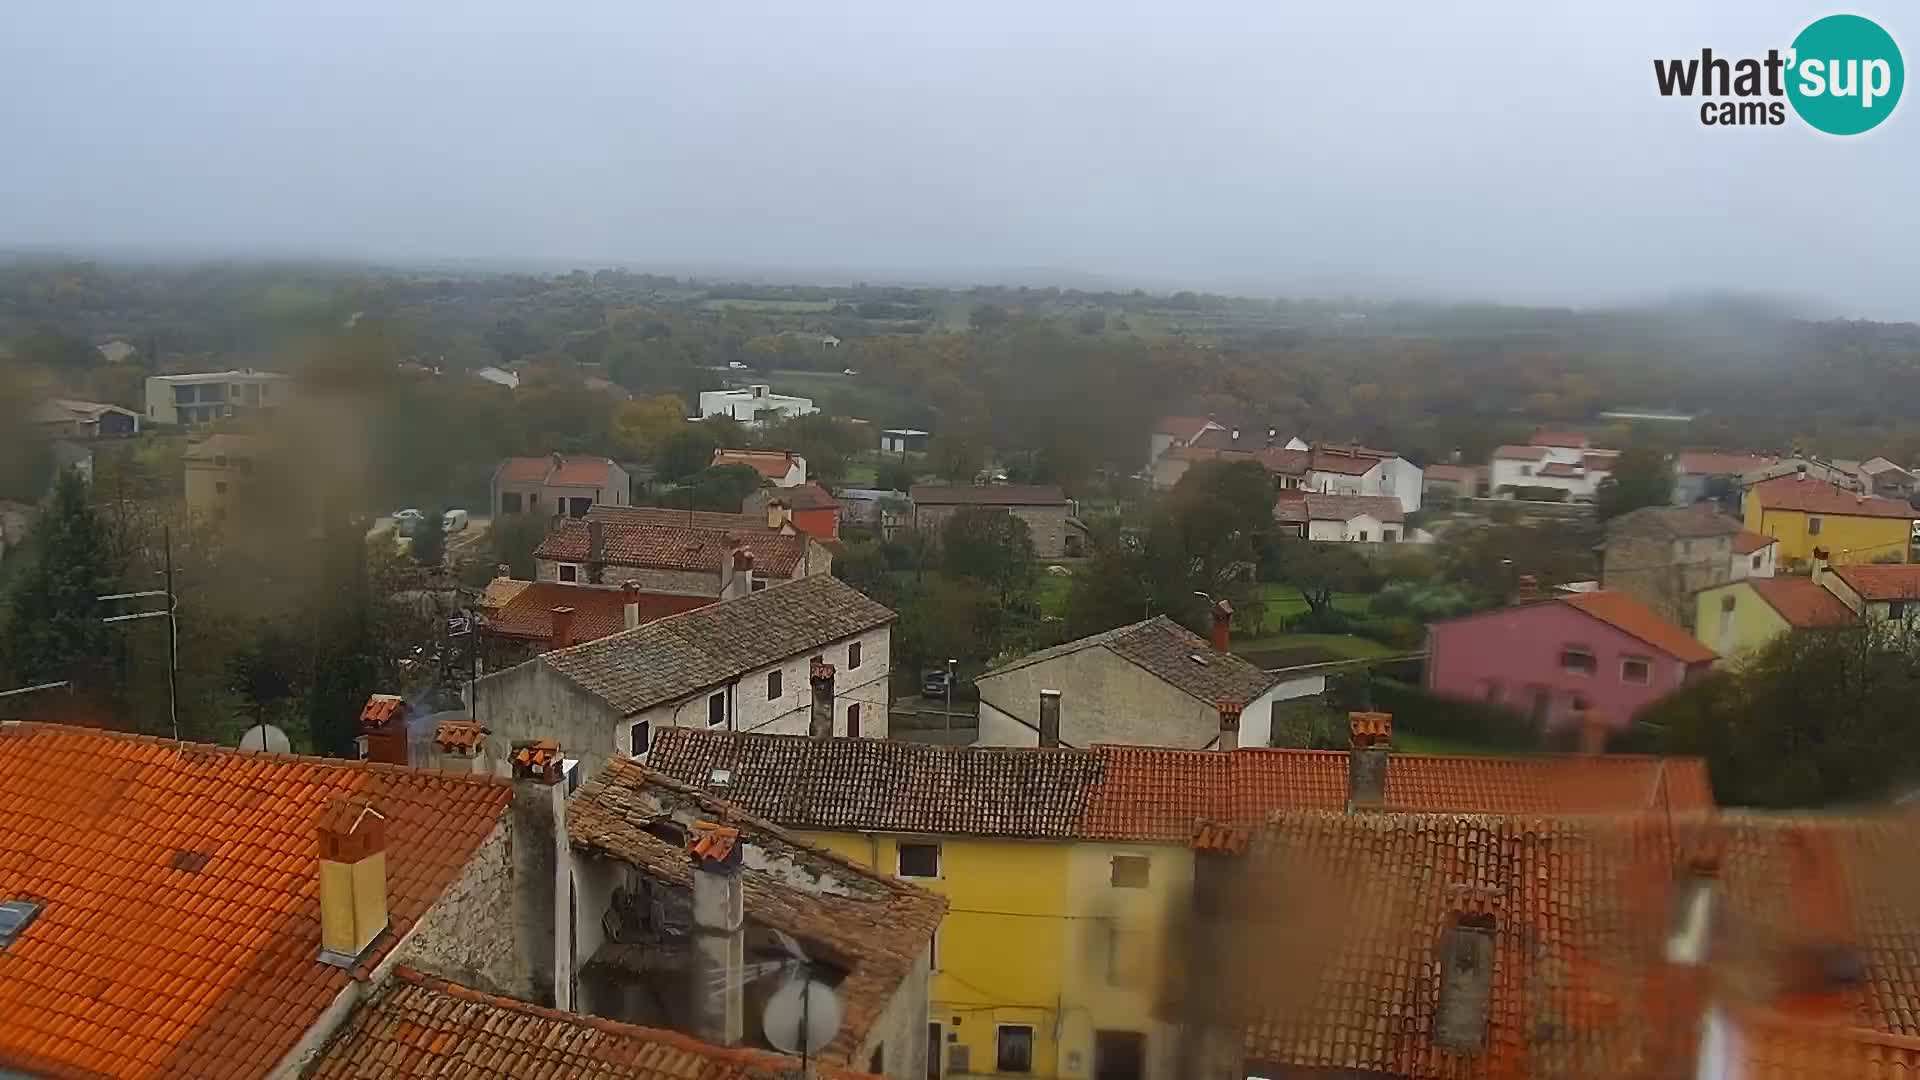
<point>266,737</point>
<point>802,1016</point>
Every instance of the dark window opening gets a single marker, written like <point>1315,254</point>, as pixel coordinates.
<point>853,655</point>
<point>1119,1055</point>
<point>773,685</point>
<point>1579,661</point>
<point>717,709</point>
<point>1131,871</point>
<point>569,572</point>
<point>853,721</point>
<point>920,860</point>
<point>1013,1045</point>
<point>637,739</point>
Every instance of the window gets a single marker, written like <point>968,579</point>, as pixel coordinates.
<point>569,572</point>
<point>1755,561</point>
<point>773,685</point>
<point>877,1064</point>
<point>509,502</point>
<point>578,506</point>
<point>1013,1048</point>
<point>219,487</point>
<point>1390,535</point>
<point>1577,660</point>
<point>717,709</point>
<point>637,738</point>
<point>1636,669</point>
<point>853,656</point>
<point>853,721</point>
<point>533,499</point>
<point>1526,470</point>
<point>756,583</point>
<point>1363,536</point>
<point>920,860</point>
<point>1119,1055</point>
<point>1896,609</point>
<point>1813,525</point>
<point>1131,871</point>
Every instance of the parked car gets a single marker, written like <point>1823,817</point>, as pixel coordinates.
<point>736,365</point>
<point>453,521</point>
<point>934,684</point>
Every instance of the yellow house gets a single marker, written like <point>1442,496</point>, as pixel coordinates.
<point>1740,616</point>
<point>1803,514</point>
<point>1063,868</point>
<point>218,469</point>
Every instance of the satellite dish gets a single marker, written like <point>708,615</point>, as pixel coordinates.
<point>266,737</point>
<point>802,1016</point>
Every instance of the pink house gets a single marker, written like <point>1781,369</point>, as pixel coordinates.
<point>1601,651</point>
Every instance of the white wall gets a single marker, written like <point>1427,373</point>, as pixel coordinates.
<point>1742,566</point>
<point>751,408</point>
<point>1506,471</point>
<point>749,709</point>
<point>1256,722</point>
<point>1403,480</point>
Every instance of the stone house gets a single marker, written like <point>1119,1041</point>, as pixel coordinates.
<point>1363,519</point>
<point>558,485</point>
<point>1153,683</point>
<point>1051,518</point>
<point>744,664</point>
<point>1663,555</point>
<point>218,470</point>
<point>666,556</point>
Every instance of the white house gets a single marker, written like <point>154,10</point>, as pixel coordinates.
<point>1153,683</point>
<point>1174,431</point>
<point>740,665</point>
<point>207,396</point>
<point>1357,470</point>
<point>1344,518</point>
<point>1551,460</point>
<point>498,376</point>
<point>753,405</point>
<point>901,440</point>
<point>1753,555</point>
<point>781,468</point>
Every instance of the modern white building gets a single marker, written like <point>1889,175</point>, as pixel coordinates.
<point>901,440</point>
<point>1362,519</point>
<point>1551,460</point>
<point>214,395</point>
<point>753,405</point>
<point>1339,470</point>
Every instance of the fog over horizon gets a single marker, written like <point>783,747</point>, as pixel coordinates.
<point>1515,153</point>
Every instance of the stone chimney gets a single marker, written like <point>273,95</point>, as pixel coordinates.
<point>596,550</point>
<point>631,590</point>
<point>462,745</point>
<point>1050,718</point>
<point>353,879</point>
<point>1528,590</point>
<point>1369,734</point>
<point>737,580</point>
<point>718,985</point>
<point>820,674</point>
<point>562,635</point>
<point>1466,982</point>
<point>1222,625</point>
<point>383,729</point>
<point>1229,725</point>
<point>542,869</point>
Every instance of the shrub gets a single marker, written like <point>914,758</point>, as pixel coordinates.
<point>1418,710</point>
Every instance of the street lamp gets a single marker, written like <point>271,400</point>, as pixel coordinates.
<point>950,664</point>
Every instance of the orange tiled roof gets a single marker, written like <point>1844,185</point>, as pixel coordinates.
<point>1800,601</point>
<point>1775,1047</point>
<point>699,519</point>
<point>597,611</point>
<point>1630,615</point>
<point>558,470</point>
<point>1455,474</point>
<point>1521,453</point>
<point>1792,492</point>
<point>420,1026</point>
<point>459,736</point>
<point>662,546</point>
<point>1881,582</point>
<point>1748,542</point>
<point>499,591</point>
<point>1344,462</point>
<point>380,708</point>
<point>770,464</point>
<point>180,931</point>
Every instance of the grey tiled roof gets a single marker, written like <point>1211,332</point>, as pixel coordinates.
<point>1697,522</point>
<point>681,654</point>
<point>886,786</point>
<point>1167,649</point>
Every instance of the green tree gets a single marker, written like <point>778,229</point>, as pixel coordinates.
<point>685,452</point>
<point>720,488</point>
<point>430,539</point>
<point>640,425</point>
<point>1112,588</point>
<point>1091,321</point>
<point>1321,571</point>
<point>1640,477</point>
<point>268,669</point>
<point>894,476</point>
<point>346,664</point>
<point>54,629</point>
<point>514,537</point>
<point>827,443</point>
<point>994,548</point>
<point>955,457</point>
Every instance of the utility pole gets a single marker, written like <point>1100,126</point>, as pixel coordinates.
<point>173,628</point>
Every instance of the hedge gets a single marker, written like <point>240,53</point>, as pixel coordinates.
<point>1418,710</point>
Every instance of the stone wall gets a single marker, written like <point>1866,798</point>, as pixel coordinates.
<point>901,1031</point>
<point>468,935</point>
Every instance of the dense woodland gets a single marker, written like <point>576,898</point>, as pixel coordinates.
<point>291,613</point>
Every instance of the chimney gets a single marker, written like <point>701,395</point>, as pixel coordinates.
<point>719,940</point>
<point>353,880</point>
<point>820,674</point>
<point>461,741</point>
<point>1821,565</point>
<point>383,730</point>
<point>1593,732</point>
<point>1222,625</point>
<point>1528,591</point>
<point>1050,718</point>
<point>1229,725</point>
<point>738,581</point>
<point>631,590</point>
<point>542,869</point>
<point>596,550</point>
<point>502,570</point>
<point>1466,982</point>
<point>1369,734</point>
<point>557,458</point>
<point>776,514</point>
<point>562,635</point>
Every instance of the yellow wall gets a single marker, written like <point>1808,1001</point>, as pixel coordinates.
<point>1754,622</point>
<point>1029,938</point>
<point>1847,539</point>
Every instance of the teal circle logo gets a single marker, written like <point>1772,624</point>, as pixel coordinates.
<point>1845,75</point>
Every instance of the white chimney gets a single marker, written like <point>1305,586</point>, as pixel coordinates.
<point>718,986</point>
<point>632,591</point>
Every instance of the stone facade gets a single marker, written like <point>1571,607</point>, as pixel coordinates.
<point>1663,572</point>
<point>1046,524</point>
<point>468,937</point>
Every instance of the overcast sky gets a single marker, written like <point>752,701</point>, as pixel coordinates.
<point>1517,152</point>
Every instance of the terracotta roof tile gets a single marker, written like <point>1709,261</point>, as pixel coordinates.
<point>807,496</point>
<point>987,495</point>
<point>420,1026</point>
<point>744,524</point>
<point>1453,474</point>
<point>597,610</point>
<point>1183,427</point>
<point>1818,497</point>
<point>1311,506</point>
<point>1881,582</point>
<point>1632,616</point>
<point>770,464</point>
<point>872,925</point>
<point>146,964</point>
<point>1344,462</point>
<point>1746,543</point>
<point>499,591</point>
<point>676,546</point>
<point>582,472</point>
<point>1521,453</point>
<point>1800,602</point>
<point>1700,521</point>
<point>680,654</point>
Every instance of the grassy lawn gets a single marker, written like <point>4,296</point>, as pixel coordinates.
<point>1286,600</point>
<point>1415,743</point>
<point>1052,594</point>
<point>1341,646</point>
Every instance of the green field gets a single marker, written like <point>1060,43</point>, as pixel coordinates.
<point>784,307</point>
<point>1285,600</point>
<point>1413,743</point>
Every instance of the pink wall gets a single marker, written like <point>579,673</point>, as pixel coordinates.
<point>1519,649</point>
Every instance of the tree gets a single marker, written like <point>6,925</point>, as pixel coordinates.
<point>994,548</point>
<point>640,425</point>
<point>430,539</point>
<point>685,452</point>
<point>268,669</point>
<point>1113,588</point>
<point>955,457</point>
<point>1640,477</point>
<point>1091,321</point>
<point>988,317</point>
<point>346,665</point>
<point>894,476</point>
<point>515,536</point>
<point>720,488</point>
<point>54,630</point>
<point>827,443</point>
<point>1321,571</point>
<point>509,338</point>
